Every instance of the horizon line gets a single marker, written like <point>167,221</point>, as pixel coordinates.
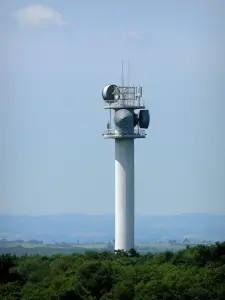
<point>105,214</point>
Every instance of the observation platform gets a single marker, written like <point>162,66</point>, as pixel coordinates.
<point>122,134</point>
<point>130,104</point>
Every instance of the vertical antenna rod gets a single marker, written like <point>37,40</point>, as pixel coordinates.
<point>128,72</point>
<point>122,78</point>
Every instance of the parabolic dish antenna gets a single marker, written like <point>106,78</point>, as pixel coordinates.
<point>111,93</point>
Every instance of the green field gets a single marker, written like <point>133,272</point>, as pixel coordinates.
<point>161,246</point>
<point>63,248</point>
<point>90,246</point>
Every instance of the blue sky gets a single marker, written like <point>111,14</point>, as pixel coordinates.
<point>56,56</point>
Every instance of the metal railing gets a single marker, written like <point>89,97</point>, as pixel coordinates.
<point>121,132</point>
<point>125,103</point>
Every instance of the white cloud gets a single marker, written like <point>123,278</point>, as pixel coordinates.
<point>38,15</point>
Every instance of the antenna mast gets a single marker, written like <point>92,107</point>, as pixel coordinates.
<point>122,77</point>
<point>128,72</point>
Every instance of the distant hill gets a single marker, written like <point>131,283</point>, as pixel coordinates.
<point>100,228</point>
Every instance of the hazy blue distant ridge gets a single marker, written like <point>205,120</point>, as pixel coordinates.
<point>100,228</point>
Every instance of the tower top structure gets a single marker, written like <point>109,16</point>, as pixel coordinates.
<point>124,100</point>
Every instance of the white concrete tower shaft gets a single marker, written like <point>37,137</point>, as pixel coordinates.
<point>124,194</point>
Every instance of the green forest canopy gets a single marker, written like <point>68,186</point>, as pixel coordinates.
<point>192,273</point>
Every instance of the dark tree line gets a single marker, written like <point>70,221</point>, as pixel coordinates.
<point>196,273</point>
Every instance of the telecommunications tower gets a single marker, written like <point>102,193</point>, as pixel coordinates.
<point>128,125</point>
